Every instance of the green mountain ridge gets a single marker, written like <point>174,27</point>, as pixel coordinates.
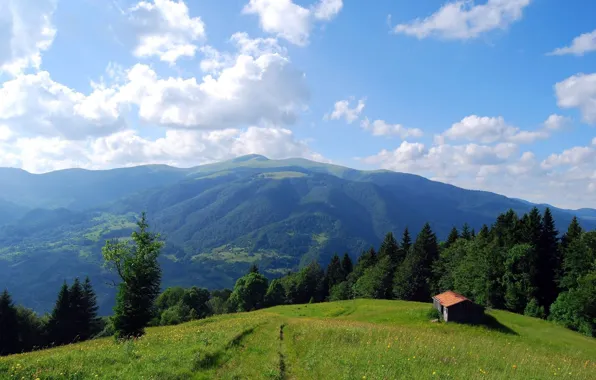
<point>219,218</point>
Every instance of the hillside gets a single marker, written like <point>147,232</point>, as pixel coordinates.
<point>217,219</point>
<point>358,339</point>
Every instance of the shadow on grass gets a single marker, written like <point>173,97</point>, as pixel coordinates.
<point>491,323</point>
<point>207,360</point>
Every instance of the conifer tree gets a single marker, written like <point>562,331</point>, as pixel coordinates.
<point>574,231</point>
<point>59,324</point>
<point>89,306</point>
<point>346,265</point>
<point>9,325</point>
<point>414,278</point>
<point>452,238</point>
<point>76,311</point>
<point>390,248</point>
<point>136,264</point>
<point>406,242</point>
<point>335,273</point>
<point>549,263</point>
<point>465,232</point>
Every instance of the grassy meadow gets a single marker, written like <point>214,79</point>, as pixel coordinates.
<point>360,339</point>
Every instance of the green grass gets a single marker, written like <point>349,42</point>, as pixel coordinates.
<point>359,339</point>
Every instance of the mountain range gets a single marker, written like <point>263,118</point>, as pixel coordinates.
<point>219,218</point>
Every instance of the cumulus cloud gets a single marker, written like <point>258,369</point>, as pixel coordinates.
<point>35,105</point>
<point>488,130</point>
<point>181,148</point>
<point>578,91</point>
<point>464,19</point>
<point>290,21</point>
<point>166,30</point>
<point>27,31</point>
<point>342,109</point>
<point>580,45</point>
<point>566,177</point>
<point>382,128</point>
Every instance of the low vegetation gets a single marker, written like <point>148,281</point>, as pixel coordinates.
<point>355,339</point>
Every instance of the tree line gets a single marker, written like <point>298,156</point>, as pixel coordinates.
<point>521,264</point>
<point>73,319</point>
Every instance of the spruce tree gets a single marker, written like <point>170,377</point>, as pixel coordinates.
<point>136,264</point>
<point>89,306</point>
<point>76,310</point>
<point>452,238</point>
<point>465,232</point>
<point>346,265</point>
<point>9,325</point>
<point>549,263</point>
<point>414,278</point>
<point>335,273</point>
<point>390,248</point>
<point>60,323</point>
<point>406,242</point>
<point>574,231</point>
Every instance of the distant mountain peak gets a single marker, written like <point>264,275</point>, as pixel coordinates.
<point>250,157</point>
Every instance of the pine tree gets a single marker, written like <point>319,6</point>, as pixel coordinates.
<point>414,278</point>
<point>574,231</point>
<point>406,242</point>
<point>346,265</point>
<point>59,324</point>
<point>580,256</point>
<point>452,238</point>
<point>76,311</point>
<point>335,273</point>
<point>136,264</point>
<point>390,248</point>
<point>465,232</point>
<point>89,306</point>
<point>9,325</point>
<point>549,263</point>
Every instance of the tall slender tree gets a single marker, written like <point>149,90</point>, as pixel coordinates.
<point>9,335</point>
<point>335,273</point>
<point>414,278</point>
<point>549,263</point>
<point>60,323</point>
<point>406,242</point>
<point>465,232</point>
<point>90,309</point>
<point>136,264</point>
<point>452,238</point>
<point>76,311</point>
<point>347,265</point>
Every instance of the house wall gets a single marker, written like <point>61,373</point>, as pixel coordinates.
<point>465,311</point>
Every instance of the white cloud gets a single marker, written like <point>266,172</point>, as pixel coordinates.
<point>556,122</point>
<point>35,105</point>
<point>291,21</point>
<point>181,148</point>
<point>464,19</point>
<point>166,30</point>
<point>327,9</point>
<point>265,89</point>
<point>27,30</point>
<point>488,130</point>
<point>578,91</point>
<point>382,128</point>
<point>565,179</point>
<point>342,109</point>
<point>580,45</point>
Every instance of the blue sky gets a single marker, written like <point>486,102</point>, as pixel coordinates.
<point>497,95</point>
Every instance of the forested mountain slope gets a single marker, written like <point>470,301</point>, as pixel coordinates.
<point>219,218</point>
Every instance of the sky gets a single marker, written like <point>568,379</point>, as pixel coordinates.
<point>496,95</point>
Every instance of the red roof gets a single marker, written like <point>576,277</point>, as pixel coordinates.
<point>450,298</point>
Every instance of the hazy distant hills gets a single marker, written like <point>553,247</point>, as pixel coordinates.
<point>219,218</point>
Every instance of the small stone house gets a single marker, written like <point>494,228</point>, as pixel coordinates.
<point>456,308</point>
